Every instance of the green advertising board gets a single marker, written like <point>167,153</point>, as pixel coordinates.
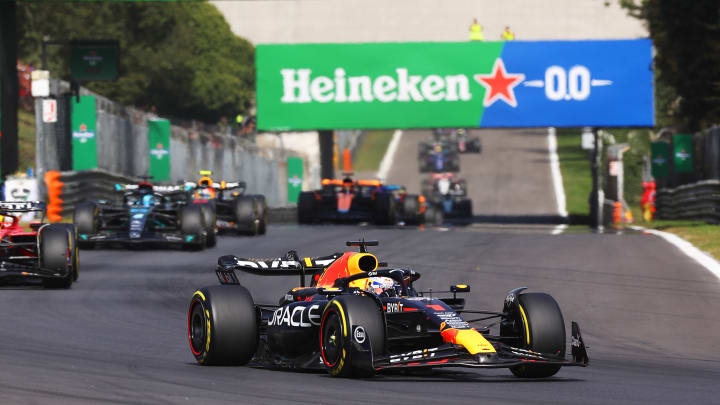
<point>83,123</point>
<point>335,86</point>
<point>159,149</point>
<point>682,153</point>
<point>660,158</point>
<point>93,60</point>
<point>295,178</point>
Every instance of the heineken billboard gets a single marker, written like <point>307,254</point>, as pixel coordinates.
<point>465,84</point>
<point>93,60</point>
<point>159,149</point>
<point>83,123</point>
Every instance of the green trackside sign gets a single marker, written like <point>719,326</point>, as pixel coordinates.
<point>660,158</point>
<point>94,60</point>
<point>454,84</point>
<point>159,149</point>
<point>84,133</point>
<point>682,157</point>
<point>295,178</point>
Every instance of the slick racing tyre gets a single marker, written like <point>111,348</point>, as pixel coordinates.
<point>192,224</point>
<point>337,337</point>
<point>464,208</point>
<point>74,249</point>
<point>433,215</point>
<point>411,210</point>
<point>245,209</point>
<point>385,213</point>
<point>306,207</point>
<point>262,213</point>
<point>209,219</point>
<point>56,244</point>
<point>85,219</point>
<point>222,325</point>
<point>540,325</point>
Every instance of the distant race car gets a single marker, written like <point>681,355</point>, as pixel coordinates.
<point>413,209</point>
<point>48,252</point>
<point>460,137</point>
<point>348,200</point>
<point>438,157</point>
<point>148,215</point>
<point>449,194</point>
<point>355,320</point>
<point>226,205</point>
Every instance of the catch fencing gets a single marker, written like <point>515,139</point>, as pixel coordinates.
<point>123,150</point>
<point>697,201</point>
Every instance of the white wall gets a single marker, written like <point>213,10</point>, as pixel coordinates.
<point>314,21</point>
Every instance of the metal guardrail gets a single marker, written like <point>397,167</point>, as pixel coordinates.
<point>98,184</point>
<point>697,201</point>
<point>95,184</point>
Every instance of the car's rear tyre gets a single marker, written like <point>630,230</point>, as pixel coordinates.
<point>385,213</point>
<point>464,208</point>
<point>433,215</point>
<point>245,209</point>
<point>540,325</point>
<point>262,213</point>
<point>85,219</point>
<point>336,335</point>
<point>74,249</point>
<point>411,210</point>
<point>222,325</point>
<point>192,224</point>
<point>210,220</point>
<point>55,249</point>
<point>306,207</point>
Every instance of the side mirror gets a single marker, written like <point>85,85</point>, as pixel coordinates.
<point>459,288</point>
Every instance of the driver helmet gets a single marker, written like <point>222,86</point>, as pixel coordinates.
<point>437,148</point>
<point>382,286</point>
<point>347,184</point>
<point>148,200</point>
<point>145,188</point>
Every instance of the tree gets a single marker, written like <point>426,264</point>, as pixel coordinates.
<point>686,36</point>
<point>181,58</point>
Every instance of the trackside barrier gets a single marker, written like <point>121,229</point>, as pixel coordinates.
<point>66,189</point>
<point>697,201</point>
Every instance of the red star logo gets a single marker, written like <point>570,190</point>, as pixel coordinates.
<point>83,127</point>
<point>159,146</point>
<point>499,84</point>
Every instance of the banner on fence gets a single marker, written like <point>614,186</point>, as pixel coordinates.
<point>455,84</point>
<point>295,178</point>
<point>159,149</point>
<point>682,153</point>
<point>660,158</point>
<point>84,133</point>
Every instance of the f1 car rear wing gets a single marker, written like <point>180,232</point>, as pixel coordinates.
<point>223,185</point>
<point>21,206</point>
<point>290,265</point>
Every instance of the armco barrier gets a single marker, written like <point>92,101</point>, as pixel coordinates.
<point>66,189</point>
<point>697,201</point>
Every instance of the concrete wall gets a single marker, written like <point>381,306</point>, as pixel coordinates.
<point>308,21</point>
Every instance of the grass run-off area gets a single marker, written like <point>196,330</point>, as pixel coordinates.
<point>705,237</point>
<point>372,150</point>
<point>575,169</point>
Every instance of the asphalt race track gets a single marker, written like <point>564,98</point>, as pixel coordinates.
<point>650,316</point>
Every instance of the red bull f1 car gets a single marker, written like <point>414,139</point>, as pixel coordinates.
<point>357,317</point>
<point>48,252</point>
<point>226,207</point>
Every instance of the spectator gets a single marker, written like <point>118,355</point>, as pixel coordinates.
<point>476,31</point>
<point>507,35</point>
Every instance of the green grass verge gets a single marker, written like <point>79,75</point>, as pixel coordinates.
<point>704,236</point>
<point>26,141</point>
<point>372,150</point>
<point>575,169</point>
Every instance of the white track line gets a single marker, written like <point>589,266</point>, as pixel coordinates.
<point>686,247</point>
<point>389,156</point>
<point>557,180</point>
